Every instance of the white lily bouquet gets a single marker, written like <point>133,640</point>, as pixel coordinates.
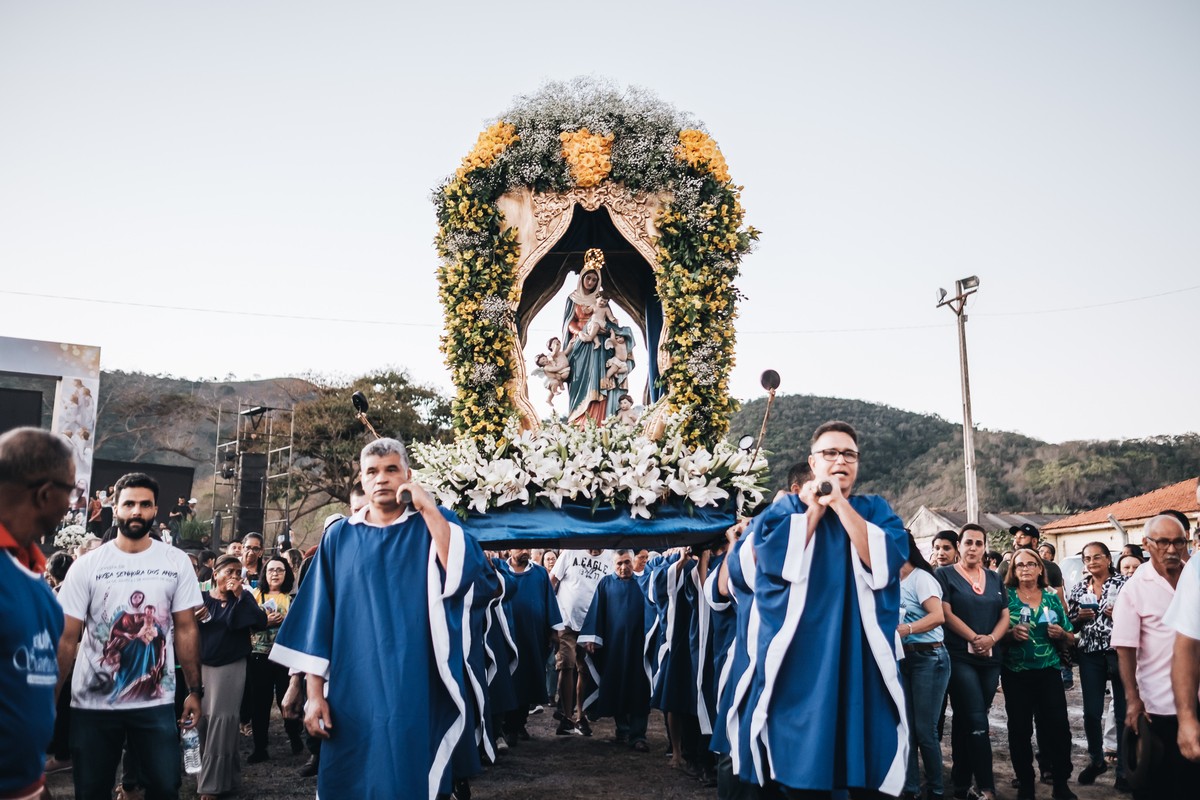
<point>610,465</point>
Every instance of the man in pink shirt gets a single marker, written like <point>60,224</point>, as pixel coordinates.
<point>1145,645</point>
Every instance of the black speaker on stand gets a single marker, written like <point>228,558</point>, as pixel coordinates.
<point>251,493</point>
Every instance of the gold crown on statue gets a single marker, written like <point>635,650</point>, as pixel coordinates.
<point>593,260</point>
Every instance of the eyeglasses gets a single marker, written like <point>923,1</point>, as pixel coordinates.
<point>252,548</point>
<point>1166,544</point>
<point>66,487</point>
<point>1026,565</point>
<point>275,569</point>
<point>849,456</point>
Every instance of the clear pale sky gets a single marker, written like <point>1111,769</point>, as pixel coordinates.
<point>276,158</point>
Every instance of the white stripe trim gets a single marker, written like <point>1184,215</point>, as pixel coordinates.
<point>25,569</point>
<point>592,638</point>
<point>454,558</point>
<point>300,662</point>
<point>710,593</point>
<point>647,648</point>
<point>703,613</point>
<point>733,723</point>
<point>796,562</point>
<point>879,575</point>
<point>439,629</point>
<point>591,665</point>
<point>672,592</point>
<point>884,653</point>
<point>480,737</point>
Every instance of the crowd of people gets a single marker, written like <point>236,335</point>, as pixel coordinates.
<point>814,652</point>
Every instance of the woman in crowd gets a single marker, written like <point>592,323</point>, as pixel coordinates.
<point>1090,608</point>
<point>976,609</point>
<point>1134,550</point>
<point>267,680</point>
<point>925,670</point>
<point>1128,565</point>
<point>945,548</point>
<point>1047,551</point>
<point>226,620</point>
<point>1032,675</point>
<point>549,559</point>
<point>252,551</point>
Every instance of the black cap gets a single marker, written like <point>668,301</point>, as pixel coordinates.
<point>1027,529</point>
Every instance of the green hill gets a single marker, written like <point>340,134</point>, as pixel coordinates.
<point>916,459</point>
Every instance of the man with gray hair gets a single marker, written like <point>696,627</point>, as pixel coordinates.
<point>37,484</point>
<point>1145,645</point>
<point>614,635</point>
<point>378,629</point>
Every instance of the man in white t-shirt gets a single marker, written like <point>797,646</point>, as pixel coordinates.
<point>575,577</point>
<point>133,602</point>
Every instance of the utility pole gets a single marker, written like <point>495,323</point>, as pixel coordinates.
<point>963,289</point>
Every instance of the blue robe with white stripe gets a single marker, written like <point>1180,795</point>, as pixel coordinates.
<point>501,652</point>
<point>826,708</point>
<point>382,621</point>
<point>535,612</point>
<point>715,629</point>
<point>616,624</point>
<point>475,741</point>
<point>674,686</point>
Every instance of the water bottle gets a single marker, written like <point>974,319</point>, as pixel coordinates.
<point>191,750</point>
<point>1026,615</point>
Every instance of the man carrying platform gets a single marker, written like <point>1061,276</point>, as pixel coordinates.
<point>824,709</point>
<point>375,624</point>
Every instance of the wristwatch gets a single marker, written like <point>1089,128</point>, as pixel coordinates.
<point>197,690</point>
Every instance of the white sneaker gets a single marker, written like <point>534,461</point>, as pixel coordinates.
<point>501,744</point>
<point>535,710</point>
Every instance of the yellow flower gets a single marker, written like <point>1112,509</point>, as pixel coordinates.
<point>488,147</point>
<point>697,149</point>
<point>588,155</point>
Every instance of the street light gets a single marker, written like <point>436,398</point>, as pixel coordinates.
<point>965,288</point>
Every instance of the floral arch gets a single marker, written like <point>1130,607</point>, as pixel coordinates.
<point>566,151</point>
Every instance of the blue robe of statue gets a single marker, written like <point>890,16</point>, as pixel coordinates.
<point>535,612</point>
<point>673,688</point>
<point>616,624</point>
<point>382,621</point>
<point>501,651</point>
<point>826,708</point>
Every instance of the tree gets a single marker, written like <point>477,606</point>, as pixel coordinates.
<point>329,437</point>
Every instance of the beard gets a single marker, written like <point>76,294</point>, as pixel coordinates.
<point>133,528</point>
<point>523,559</point>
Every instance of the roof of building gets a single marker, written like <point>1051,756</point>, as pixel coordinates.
<point>1000,521</point>
<point>1179,496</point>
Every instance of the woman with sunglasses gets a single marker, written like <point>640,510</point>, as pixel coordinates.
<point>976,610</point>
<point>1032,675</point>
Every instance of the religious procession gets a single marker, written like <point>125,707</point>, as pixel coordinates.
<point>581,582</point>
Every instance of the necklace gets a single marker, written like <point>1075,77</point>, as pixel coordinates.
<point>976,585</point>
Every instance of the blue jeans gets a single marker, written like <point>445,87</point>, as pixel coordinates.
<point>1096,670</point>
<point>150,733</point>
<point>925,673</point>
<point>972,689</point>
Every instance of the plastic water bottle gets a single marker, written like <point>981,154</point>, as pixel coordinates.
<point>191,751</point>
<point>1026,615</point>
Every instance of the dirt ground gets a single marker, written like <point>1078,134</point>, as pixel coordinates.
<point>550,767</point>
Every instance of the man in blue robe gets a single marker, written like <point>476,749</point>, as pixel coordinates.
<point>614,635</point>
<point>378,625</point>
<point>825,709</point>
<point>673,688</point>
<point>537,620</point>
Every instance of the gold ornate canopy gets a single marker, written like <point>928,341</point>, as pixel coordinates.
<point>564,225</point>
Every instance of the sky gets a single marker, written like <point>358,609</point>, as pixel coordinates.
<point>242,188</point>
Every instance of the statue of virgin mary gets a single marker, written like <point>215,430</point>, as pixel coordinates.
<point>586,326</point>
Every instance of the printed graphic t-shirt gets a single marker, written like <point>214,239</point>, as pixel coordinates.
<point>125,600</point>
<point>579,573</point>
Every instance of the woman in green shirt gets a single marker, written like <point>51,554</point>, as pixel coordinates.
<point>1031,675</point>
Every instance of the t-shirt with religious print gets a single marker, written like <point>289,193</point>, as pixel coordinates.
<point>125,600</point>
<point>261,641</point>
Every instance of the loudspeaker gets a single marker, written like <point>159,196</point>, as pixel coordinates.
<point>251,493</point>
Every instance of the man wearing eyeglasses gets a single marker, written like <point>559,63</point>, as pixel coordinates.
<point>824,711</point>
<point>1145,646</point>
<point>37,478</point>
